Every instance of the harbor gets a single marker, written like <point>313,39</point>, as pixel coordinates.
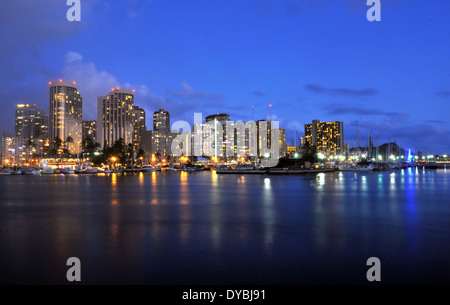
<point>45,169</point>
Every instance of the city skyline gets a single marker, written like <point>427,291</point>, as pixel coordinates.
<point>323,61</point>
<point>135,117</point>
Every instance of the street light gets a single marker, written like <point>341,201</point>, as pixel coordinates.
<point>114,159</point>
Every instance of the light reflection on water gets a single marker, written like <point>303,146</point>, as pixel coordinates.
<point>162,226</point>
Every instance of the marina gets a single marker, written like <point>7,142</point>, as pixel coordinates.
<point>45,169</point>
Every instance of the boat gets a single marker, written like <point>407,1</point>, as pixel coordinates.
<point>195,168</point>
<point>90,170</point>
<point>17,172</point>
<point>67,171</point>
<point>148,168</point>
<point>131,170</point>
<point>46,170</point>
<point>357,168</point>
<point>31,172</point>
<point>5,172</point>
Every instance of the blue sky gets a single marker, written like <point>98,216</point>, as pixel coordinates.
<point>310,59</point>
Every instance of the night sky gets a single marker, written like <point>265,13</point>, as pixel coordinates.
<point>310,59</point>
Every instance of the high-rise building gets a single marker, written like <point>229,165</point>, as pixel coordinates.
<point>89,129</point>
<point>328,137</point>
<point>147,145</point>
<point>259,137</point>
<point>161,120</point>
<point>161,135</point>
<point>251,140</point>
<point>266,144</point>
<point>293,151</point>
<point>65,119</point>
<point>7,150</point>
<point>115,117</point>
<point>282,142</point>
<point>31,132</point>
<point>222,119</point>
<point>139,126</point>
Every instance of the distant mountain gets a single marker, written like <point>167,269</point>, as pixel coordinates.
<point>385,149</point>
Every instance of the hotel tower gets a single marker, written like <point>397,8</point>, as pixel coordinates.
<point>65,116</point>
<point>115,117</point>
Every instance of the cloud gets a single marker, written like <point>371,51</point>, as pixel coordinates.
<point>178,109</point>
<point>26,28</point>
<point>275,117</point>
<point>443,93</point>
<point>151,102</point>
<point>188,93</point>
<point>396,116</point>
<point>91,82</point>
<point>436,122</point>
<point>259,93</point>
<point>422,136</point>
<point>430,138</point>
<point>295,124</point>
<point>341,91</point>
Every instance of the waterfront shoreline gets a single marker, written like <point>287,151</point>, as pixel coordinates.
<point>272,171</point>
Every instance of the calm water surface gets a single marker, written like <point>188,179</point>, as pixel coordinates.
<point>203,228</point>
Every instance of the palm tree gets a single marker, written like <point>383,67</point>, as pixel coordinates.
<point>310,153</point>
<point>58,143</point>
<point>140,155</point>
<point>29,144</point>
<point>89,145</point>
<point>130,155</point>
<point>68,140</point>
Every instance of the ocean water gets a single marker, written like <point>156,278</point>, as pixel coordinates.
<point>204,228</point>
